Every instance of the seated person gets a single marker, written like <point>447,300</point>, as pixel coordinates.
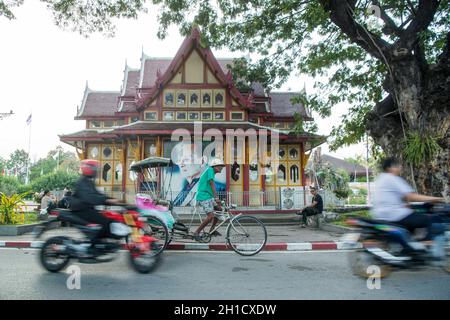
<point>48,202</point>
<point>316,207</point>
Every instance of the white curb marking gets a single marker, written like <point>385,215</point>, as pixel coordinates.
<point>36,244</point>
<point>196,246</point>
<point>348,245</point>
<point>299,246</point>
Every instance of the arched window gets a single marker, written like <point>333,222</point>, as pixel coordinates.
<point>294,174</point>
<point>106,172</point>
<point>293,153</point>
<point>281,175</point>
<point>118,173</point>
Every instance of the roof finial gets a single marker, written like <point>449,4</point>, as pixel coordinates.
<point>229,77</point>
<point>195,32</point>
<point>158,74</point>
<point>87,86</point>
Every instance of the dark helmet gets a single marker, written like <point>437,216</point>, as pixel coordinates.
<point>89,168</point>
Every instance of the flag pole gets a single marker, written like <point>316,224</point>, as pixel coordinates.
<point>29,150</point>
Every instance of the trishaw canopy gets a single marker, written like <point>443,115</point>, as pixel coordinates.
<point>151,162</point>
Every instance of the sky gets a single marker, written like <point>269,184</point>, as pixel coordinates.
<point>44,69</point>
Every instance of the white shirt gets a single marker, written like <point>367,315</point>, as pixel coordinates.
<point>388,202</point>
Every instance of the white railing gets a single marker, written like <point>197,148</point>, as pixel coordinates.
<point>248,199</point>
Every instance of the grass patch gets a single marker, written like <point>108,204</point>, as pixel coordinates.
<point>344,216</point>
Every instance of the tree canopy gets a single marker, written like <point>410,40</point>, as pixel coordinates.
<point>344,44</point>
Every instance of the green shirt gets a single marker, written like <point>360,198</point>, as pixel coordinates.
<point>205,191</point>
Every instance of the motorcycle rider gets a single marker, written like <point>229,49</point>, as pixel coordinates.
<point>87,197</point>
<point>392,194</point>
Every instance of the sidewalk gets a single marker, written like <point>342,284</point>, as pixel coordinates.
<point>279,237</point>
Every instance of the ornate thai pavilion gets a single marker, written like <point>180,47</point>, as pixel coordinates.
<point>166,94</point>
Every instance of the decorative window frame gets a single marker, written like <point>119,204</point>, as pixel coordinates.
<point>92,127</point>
<point>237,112</point>
<point>210,116</point>
<point>219,112</point>
<point>151,112</point>
<point>179,105</point>
<point>194,112</point>
<point>199,96</point>
<point>278,181</point>
<point>165,104</point>
<point>167,112</point>
<point>288,174</point>
<point>179,113</point>
<point>130,119</point>
<point>222,92</point>
<point>203,93</point>
<point>284,148</point>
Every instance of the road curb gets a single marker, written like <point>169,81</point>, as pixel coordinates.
<point>297,246</point>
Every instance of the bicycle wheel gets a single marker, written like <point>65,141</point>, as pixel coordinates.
<point>156,228</point>
<point>246,235</point>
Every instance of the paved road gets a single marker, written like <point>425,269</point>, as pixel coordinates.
<point>216,275</point>
<point>275,233</point>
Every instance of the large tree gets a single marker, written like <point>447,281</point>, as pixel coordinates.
<point>66,161</point>
<point>18,162</point>
<point>387,59</point>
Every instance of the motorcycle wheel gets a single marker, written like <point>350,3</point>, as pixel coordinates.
<point>361,263</point>
<point>156,228</point>
<point>52,259</point>
<point>145,262</point>
<point>446,266</point>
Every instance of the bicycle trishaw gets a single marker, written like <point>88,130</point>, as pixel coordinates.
<point>245,234</point>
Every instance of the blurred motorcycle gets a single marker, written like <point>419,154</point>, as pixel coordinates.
<point>57,251</point>
<point>389,246</point>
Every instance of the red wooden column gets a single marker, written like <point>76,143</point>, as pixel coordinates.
<point>227,159</point>
<point>124,170</point>
<point>246,177</point>
<point>302,169</point>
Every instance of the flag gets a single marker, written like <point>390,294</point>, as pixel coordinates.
<point>29,119</point>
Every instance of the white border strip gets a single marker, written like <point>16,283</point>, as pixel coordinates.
<point>196,246</point>
<point>299,246</point>
<point>348,245</point>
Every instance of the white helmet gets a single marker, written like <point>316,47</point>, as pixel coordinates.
<point>216,162</point>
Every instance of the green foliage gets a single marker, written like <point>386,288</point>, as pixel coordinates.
<point>10,185</point>
<point>420,148</point>
<point>66,161</point>
<point>304,126</point>
<point>18,160</point>
<point>335,181</point>
<point>10,208</point>
<point>54,181</point>
<point>288,36</point>
<point>299,36</point>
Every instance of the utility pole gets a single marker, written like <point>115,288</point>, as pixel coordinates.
<point>367,169</point>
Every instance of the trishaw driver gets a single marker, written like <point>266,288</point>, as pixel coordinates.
<point>207,196</point>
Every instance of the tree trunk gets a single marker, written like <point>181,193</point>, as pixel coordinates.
<point>422,95</point>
